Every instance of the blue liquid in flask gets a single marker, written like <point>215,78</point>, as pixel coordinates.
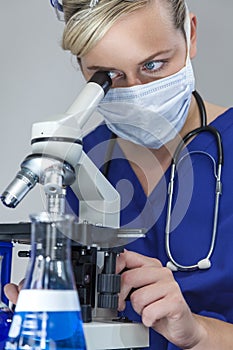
<point>47,314</point>
<point>46,331</point>
<point>42,326</point>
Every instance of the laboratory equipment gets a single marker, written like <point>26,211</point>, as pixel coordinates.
<point>47,314</point>
<point>5,313</point>
<point>102,328</point>
<point>58,161</point>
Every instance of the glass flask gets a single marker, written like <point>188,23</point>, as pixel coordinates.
<point>5,313</point>
<point>47,314</point>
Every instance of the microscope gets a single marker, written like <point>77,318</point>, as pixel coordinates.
<point>56,162</point>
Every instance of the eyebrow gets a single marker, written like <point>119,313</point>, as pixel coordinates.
<point>153,56</point>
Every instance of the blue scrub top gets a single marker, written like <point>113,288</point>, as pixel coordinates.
<point>207,292</point>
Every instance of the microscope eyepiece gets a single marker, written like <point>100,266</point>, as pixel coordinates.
<point>103,79</point>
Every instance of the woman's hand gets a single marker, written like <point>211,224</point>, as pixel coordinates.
<point>12,290</point>
<point>158,299</point>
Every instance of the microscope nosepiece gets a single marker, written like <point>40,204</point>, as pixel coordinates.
<point>24,181</point>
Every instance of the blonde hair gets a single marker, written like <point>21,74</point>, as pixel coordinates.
<point>85,26</point>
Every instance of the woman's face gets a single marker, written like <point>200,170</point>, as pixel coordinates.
<point>141,47</point>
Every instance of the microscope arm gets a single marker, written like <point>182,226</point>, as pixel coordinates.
<point>99,202</point>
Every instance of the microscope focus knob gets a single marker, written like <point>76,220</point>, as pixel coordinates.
<point>108,301</point>
<point>108,288</point>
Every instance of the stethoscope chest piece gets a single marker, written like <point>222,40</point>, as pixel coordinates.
<point>203,264</point>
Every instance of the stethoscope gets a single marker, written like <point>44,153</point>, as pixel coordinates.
<point>204,263</point>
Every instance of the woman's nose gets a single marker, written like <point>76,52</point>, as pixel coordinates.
<point>132,80</point>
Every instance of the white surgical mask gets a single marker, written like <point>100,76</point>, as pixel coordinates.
<point>151,114</point>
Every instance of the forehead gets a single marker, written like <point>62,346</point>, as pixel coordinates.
<point>136,35</point>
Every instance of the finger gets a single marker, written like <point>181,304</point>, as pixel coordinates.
<point>145,296</point>
<point>11,291</point>
<point>159,281</point>
<point>168,308</point>
<point>154,313</point>
<point>132,260</point>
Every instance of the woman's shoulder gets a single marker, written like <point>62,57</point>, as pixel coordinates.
<point>224,121</point>
<point>214,111</point>
<point>224,125</point>
<point>220,117</point>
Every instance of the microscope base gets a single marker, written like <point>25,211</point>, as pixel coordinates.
<point>102,335</point>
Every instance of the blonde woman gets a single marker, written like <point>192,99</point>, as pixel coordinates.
<point>147,46</point>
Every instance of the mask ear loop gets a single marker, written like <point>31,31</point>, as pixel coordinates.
<point>187,30</point>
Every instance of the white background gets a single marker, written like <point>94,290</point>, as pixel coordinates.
<point>38,79</point>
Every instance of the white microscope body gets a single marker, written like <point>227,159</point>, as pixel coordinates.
<point>58,161</point>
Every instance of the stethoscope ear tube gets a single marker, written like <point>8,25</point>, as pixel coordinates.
<point>195,132</point>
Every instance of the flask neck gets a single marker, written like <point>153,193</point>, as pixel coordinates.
<point>50,241</point>
<point>50,263</point>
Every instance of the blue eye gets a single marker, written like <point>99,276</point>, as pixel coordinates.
<point>153,65</point>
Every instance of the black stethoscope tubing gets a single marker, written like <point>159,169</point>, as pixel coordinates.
<point>202,128</point>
